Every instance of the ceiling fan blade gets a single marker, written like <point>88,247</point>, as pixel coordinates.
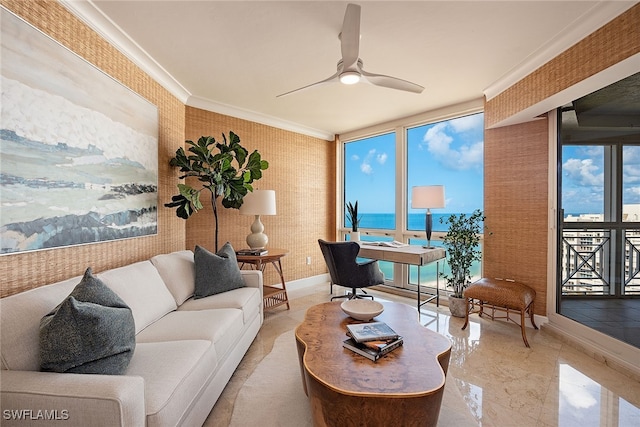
<point>335,77</point>
<point>350,36</point>
<point>391,82</point>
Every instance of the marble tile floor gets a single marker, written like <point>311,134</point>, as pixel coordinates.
<point>503,383</point>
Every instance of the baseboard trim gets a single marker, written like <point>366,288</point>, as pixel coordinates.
<point>296,287</point>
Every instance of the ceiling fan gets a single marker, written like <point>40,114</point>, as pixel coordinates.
<point>350,69</point>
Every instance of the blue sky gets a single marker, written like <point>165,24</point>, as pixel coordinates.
<point>448,153</point>
<point>583,178</point>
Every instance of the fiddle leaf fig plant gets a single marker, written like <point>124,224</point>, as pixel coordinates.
<point>224,168</point>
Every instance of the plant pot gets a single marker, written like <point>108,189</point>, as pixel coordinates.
<point>354,236</point>
<point>457,306</point>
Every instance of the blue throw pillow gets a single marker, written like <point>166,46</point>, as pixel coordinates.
<point>216,273</point>
<point>91,332</point>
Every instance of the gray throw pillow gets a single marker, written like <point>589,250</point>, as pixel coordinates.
<point>216,273</point>
<point>91,332</point>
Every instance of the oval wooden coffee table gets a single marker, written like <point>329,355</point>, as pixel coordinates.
<point>404,388</point>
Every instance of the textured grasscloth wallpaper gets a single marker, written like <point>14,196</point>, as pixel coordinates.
<point>515,205</point>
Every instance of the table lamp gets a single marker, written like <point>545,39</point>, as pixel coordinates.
<point>430,197</point>
<point>258,202</point>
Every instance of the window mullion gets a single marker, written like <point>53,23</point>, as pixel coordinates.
<point>401,272</point>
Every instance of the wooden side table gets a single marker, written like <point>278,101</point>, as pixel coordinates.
<point>273,296</point>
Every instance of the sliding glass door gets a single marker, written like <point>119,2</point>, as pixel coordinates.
<point>599,198</point>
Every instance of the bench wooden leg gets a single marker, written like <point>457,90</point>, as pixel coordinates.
<point>522,328</point>
<point>522,313</point>
<point>531,315</point>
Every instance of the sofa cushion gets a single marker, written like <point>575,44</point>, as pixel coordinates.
<point>223,327</point>
<point>20,317</point>
<point>90,332</point>
<point>174,373</point>
<point>216,273</point>
<point>142,289</point>
<point>178,271</point>
<point>247,299</point>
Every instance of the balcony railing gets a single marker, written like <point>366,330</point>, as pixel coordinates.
<point>586,262</point>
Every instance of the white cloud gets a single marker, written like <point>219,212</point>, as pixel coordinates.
<point>467,123</point>
<point>365,166</point>
<point>584,172</point>
<point>633,192</point>
<point>439,144</point>
<point>631,173</point>
<point>355,157</point>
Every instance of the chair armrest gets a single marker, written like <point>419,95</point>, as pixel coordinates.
<point>252,278</point>
<point>72,399</point>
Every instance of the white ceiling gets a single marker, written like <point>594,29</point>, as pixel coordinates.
<point>234,57</point>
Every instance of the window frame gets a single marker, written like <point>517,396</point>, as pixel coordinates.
<point>399,127</point>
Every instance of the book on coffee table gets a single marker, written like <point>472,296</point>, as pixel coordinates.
<point>373,350</point>
<point>372,331</point>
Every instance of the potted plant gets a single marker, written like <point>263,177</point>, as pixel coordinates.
<point>354,219</point>
<point>212,164</point>
<point>462,245</point>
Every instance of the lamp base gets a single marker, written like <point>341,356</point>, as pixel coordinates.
<point>257,239</point>
<point>428,226</point>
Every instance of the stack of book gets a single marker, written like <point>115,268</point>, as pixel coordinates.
<point>252,252</point>
<point>372,340</point>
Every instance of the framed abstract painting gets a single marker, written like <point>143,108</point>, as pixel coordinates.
<point>78,150</point>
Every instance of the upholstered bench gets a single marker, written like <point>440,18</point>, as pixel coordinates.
<point>502,295</point>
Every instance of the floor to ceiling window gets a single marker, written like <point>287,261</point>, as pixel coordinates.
<point>380,169</point>
<point>599,199</point>
<point>369,180</point>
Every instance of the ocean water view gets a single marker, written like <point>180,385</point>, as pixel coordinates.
<point>387,221</point>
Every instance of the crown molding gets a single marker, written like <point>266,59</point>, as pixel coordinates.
<point>230,110</point>
<point>88,13</point>
<point>599,15</point>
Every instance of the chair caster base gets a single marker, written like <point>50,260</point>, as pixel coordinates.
<point>353,296</point>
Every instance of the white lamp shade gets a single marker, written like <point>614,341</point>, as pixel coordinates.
<point>259,202</point>
<point>427,196</point>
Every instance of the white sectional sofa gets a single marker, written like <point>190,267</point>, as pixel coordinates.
<point>185,350</point>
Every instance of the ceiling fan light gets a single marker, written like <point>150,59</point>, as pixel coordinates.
<point>349,77</point>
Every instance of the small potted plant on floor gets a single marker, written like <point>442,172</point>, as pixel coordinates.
<point>462,245</point>
<point>352,216</point>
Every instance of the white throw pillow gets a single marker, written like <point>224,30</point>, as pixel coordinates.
<point>177,269</point>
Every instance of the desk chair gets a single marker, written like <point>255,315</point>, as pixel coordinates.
<point>346,271</point>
